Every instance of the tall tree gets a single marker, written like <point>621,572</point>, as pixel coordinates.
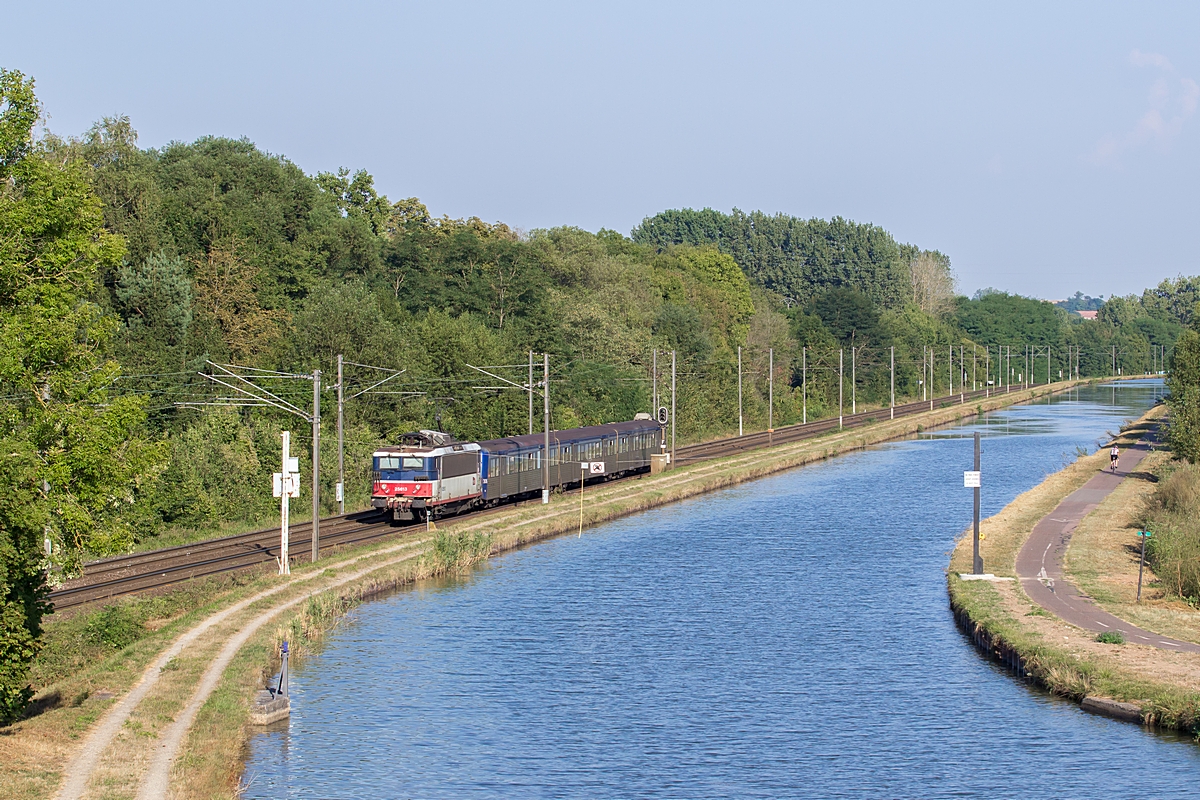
<point>74,460</point>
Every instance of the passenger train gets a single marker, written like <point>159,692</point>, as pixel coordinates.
<point>429,474</point>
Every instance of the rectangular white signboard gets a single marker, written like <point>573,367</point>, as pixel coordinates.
<point>288,482</point>
<point>971,479</point>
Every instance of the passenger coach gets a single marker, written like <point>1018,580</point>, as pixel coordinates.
<point>512,467</point>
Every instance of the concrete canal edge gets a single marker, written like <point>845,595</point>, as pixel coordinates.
<point>1017,663</point>
<point>1004,625</point>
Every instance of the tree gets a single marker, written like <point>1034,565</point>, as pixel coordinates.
<point>932,282</point>
<point>75,464</point>
<point>849,315</point>
<point>733,302</point>
<point>156,296</point>
<point>226,296</point>
<point>792,257</point>
<point>1184,382</point>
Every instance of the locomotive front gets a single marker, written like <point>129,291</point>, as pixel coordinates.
<point>404,481</point>
<point>428,474</point>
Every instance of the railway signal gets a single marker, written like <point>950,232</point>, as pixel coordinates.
<point>286,486</point>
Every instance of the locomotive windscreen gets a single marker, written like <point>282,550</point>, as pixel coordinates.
<point>405,468</point>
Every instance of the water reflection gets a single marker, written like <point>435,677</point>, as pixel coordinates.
<point>788,637</point>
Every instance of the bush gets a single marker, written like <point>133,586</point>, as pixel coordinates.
<point>1174,549</point>
<point>1111,637</point>
<point>115,627</point>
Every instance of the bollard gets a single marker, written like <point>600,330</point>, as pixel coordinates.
<point>271,706</point>
<point>282,689</point>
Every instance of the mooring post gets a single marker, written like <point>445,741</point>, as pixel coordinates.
<point>282,689</point>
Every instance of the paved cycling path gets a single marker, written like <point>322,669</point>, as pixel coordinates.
<point>1040,562</point>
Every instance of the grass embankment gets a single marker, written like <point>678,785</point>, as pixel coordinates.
<point>92,657</point>
<point>1066,660</point>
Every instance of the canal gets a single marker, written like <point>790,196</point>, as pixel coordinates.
<point>787,637</point>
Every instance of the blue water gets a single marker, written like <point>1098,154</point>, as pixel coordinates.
<point>785,638</point>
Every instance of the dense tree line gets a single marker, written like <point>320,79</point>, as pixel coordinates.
<point>126,271</point>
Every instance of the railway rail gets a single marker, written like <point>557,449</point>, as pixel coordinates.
<point>141,572</point>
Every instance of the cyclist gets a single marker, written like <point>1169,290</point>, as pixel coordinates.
<point>1114,458</point>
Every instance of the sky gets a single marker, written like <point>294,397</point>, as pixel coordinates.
<point>1046,149</point>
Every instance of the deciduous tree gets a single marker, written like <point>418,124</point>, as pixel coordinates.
<point>74,462</point>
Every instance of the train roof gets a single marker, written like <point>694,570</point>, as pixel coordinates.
<point>532,440</point>
<point>427,452</point>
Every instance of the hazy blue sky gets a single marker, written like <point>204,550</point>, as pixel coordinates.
<point>1043,150</point>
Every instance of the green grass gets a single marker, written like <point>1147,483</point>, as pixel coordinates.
<point>79,639</point>
<point>1064,673</point>
<point>1111,637</point>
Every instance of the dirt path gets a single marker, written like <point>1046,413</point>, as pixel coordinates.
<point>79,771</point>
<point>1040,560</point>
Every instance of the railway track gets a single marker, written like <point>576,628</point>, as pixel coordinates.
<point>795,433</point>
<point>141,572</point>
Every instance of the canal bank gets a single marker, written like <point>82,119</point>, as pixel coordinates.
<point>1104,660</point>
<point>213,743</point>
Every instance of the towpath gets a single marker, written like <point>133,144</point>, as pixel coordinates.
<point>1040,561</point>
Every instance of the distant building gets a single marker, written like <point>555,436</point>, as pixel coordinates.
<point>1087,314</point>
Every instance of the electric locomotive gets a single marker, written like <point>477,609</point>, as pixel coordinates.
<point>428,473</point>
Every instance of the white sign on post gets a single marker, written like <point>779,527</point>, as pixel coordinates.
<point>596,467</point>
<point>285,483</point>
<point>971,479</point>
